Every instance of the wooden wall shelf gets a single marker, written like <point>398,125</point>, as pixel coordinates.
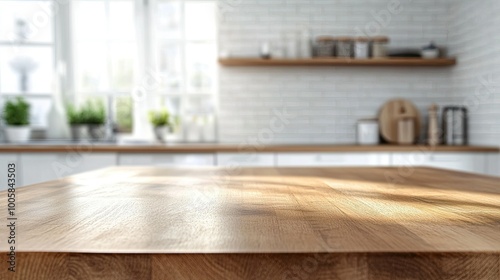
<point>417,62</point>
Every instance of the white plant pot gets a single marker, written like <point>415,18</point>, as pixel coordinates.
<point>161,133</point>
<point>18,134</point>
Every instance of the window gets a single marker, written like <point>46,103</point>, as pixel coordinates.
<point>105,54</point>
<point>170,46</point>
<point>185,48</point>
<point>27,54</point>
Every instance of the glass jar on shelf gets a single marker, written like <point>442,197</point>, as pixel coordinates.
<point>345,47</point>
<point>325,46</point>
<point>361,47</point>
<point>379,46</point>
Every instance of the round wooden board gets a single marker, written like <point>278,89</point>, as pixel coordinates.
<point>389,115</point>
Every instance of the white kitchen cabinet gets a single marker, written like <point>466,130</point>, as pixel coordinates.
<point>467,162</point>
<point>333,159</point>
<point>38,167</point>
<point>493,162</point>
<point>246,159</point>
<point>5,160</point>
<point>166,159</point>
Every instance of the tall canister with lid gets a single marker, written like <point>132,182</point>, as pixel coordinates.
<point>361,48</point>
<point>379,46</point>
<point>325,46</point>
<point>345,47</point>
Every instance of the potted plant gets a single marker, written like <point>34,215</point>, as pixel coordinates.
<point>161,123</point>
<point>93,114</point>
<point>16,115</point>
<point>76,121</point>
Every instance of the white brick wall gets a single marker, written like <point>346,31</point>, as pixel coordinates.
<point>475,39</point>
<point>327,102</point>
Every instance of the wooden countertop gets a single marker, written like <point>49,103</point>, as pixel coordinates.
<point>234,148</point>
<point>260,223</point>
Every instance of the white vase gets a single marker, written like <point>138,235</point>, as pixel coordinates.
<point>18,134</point>
<point>58,127</point>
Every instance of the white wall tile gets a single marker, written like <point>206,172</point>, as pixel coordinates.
<point>326,102</point>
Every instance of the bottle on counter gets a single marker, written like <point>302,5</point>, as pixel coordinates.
<point>433,129</point>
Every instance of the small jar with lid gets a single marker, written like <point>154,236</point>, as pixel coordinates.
<point>345,46</point>
<point>379,46</point>
<point>325,46</point>
<point>361,47</point>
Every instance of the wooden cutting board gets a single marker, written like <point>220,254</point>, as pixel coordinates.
<point>391,112</point>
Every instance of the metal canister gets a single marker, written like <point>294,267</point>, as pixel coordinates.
<point>325,46</point>
<point>345,47</point>
<point>455,125</point>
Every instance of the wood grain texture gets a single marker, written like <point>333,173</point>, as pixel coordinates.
<point>390,114</point>
<point>215,148</point>
<point>348,266</point>
<point>259,223</point>
<point>411,62</point>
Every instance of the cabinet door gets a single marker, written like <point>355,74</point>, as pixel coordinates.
<point>167,159</point>
<point>5,160</point>
<point>333,159</point>
<point>245,159</point>
<point>37,168</point>
<point>467,162</point>
<point>493,161</point>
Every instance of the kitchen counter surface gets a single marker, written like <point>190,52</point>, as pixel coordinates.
<point>234,148</point>
<point>259,223</point>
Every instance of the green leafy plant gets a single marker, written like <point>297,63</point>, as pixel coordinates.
<point>160,118</point>
<point>17,112</point>
<point>74,115</point>
<point>93,112</point>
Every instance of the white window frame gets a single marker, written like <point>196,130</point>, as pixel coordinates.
<point>147,50</point>
<point>54,44</point>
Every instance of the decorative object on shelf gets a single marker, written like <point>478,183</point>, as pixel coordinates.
<point>404,52</point>
<point>368,132</point>
<point>455,125</point>
<point>23,66</point>
<point>433,129</point>
<point>16,114</point>
<point>265,50</point>
<point>305,44</point>
<point>56,118</point>
<point>390,115</point>
<point>430,51</point>
<point>344,47</point>
<point>362,47</point>
<point>325,46</point>
<point>161,122</point>
<point>379,46</point>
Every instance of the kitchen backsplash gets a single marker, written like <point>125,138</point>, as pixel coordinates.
<point>326,102</point>
<point>475,39</point>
